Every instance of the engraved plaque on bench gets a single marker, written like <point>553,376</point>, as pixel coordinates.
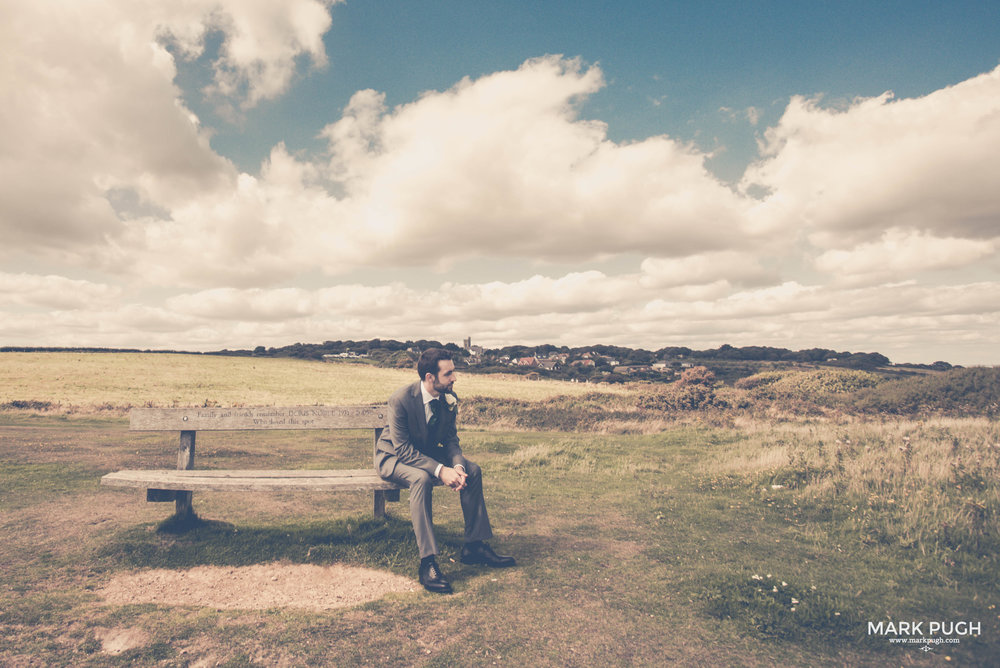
<point>258,417</point>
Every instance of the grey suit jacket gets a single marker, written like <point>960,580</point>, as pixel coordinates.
<point>405,439</point>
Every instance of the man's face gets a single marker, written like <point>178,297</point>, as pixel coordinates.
<point>445,378</point>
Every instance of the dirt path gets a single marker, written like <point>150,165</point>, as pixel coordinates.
<point>258,587</point>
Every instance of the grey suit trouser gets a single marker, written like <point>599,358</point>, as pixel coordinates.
<point>421,483</point>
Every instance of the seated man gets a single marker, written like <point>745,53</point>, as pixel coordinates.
<point>419,446</point>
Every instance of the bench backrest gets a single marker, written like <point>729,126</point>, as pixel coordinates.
<point>258,417</point>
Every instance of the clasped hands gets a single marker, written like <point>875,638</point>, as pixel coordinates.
<point>453,477</point>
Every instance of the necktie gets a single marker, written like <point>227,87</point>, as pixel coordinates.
<point>432,424</point>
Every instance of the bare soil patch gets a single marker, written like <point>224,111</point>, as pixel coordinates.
<point>118,640</point>
<point>258,587</point>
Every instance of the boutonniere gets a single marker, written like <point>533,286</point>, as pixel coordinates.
<point>451,402</point>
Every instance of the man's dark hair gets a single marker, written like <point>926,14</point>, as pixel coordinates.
<point>428,362</point>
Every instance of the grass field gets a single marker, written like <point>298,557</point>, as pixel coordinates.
<point>754,543</point>
<point>88,382</point>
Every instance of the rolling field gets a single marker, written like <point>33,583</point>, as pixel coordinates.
<point>740,542</point>
<point>105,381</point>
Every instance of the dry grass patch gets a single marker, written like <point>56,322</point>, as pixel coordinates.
<point>930,485</point>
<point>88,382</point>
<point>256,587</point>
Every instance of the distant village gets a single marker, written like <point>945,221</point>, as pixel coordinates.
<point>478,356</point>
<point>585,360</point>
<point>597,363</point>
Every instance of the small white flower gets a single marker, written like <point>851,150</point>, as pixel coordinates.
<point>795,601</point>
<point>784,584</point>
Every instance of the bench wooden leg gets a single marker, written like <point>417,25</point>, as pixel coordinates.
<point>185,462</point>
<point>182,505</point>
<point>381,496</point>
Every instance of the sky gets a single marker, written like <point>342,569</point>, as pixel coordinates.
<point>208,174</point>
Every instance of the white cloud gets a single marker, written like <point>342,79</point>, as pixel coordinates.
<point>578,292</point>
<point>54,292</point>
<point>97,112</point>
<point>925,164</point>
<point>251,305</point>
<point>263,42</point>
<point>498,166</point>
<point>503,165</point>
<point>575,292</point>
<point>900,254</point>
<point>573,309</point>
<point>732,266</point>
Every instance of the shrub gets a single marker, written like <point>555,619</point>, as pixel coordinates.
<point>815,386</point>
<point>683,397</point>
<point>758,380</point>
<point>27,405</point>
<point>974,391</point>
<point>696,375</point>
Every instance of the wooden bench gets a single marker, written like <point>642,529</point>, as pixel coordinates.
<point>178,484</point>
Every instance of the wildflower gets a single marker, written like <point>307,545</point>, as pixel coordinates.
<point>795,601</point>
<point>756,577</point>
<point>774,589</point>
<point>784,584</point>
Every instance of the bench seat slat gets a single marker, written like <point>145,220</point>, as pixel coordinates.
<point>260,473</point>
<point>249,480</point>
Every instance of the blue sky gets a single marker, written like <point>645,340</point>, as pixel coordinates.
<point>671,66</point>
<point>225,174</point>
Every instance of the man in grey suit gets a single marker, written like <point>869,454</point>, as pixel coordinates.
<point>419,447</point>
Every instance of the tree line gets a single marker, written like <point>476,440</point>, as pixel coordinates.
<point>390,352</point>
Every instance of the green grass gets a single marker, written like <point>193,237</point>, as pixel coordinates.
<point>20,484</point>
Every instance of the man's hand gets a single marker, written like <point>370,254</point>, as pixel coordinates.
<point>454,478</point>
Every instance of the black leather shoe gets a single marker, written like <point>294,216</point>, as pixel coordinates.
<point>433,579</point>
<point>481,553</point>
